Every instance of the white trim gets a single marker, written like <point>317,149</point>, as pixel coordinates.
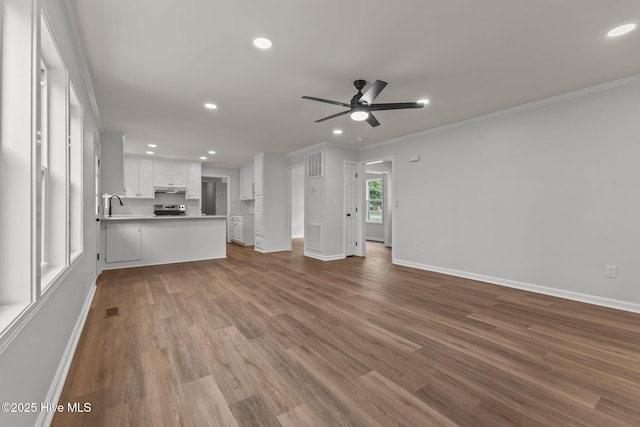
<point>574,296</point>
<point>375,239</point>
<point>45,417</point>
<point>531,105</point>
<point>324,257</point>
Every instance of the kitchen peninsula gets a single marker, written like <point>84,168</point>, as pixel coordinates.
<point>137,240</point>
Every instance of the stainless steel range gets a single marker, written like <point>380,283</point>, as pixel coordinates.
<point>169,209</point>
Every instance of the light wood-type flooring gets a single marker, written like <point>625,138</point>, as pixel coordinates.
<point>284,340</point>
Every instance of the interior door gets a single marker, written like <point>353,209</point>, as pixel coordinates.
<point>350,210</point>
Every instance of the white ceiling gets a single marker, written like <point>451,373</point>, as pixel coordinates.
<point>154,63</point>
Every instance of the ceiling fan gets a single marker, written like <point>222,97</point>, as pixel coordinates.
<point>362,105</point>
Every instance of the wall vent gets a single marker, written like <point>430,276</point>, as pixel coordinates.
<point>313,237</point>
<point>314,165</point>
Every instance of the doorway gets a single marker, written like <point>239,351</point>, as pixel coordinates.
<point>214,196</point>
<point>376,222</point>
<point>377,202</point>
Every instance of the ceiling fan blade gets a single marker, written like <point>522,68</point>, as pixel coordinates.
<point>395,106</point>
<point>333,115</point>
<point>372,120</point>
<point>342,104</point>
<point>373,92</point>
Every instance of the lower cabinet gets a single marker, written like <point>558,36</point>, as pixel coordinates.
<point>123,241</point>
<point>242,229</point>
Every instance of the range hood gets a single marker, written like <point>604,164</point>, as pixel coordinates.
<point>171,190</point>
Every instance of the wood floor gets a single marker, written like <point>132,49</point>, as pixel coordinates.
<point>279,339</point>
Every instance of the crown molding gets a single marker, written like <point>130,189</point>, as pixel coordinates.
<point>523,107</point>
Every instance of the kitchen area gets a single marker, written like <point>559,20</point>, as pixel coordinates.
<point>158,210</point>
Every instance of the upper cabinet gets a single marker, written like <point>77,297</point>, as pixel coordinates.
<point>194,180</point>
<point>138,177</point>
<point>170,173</point>
<point>246,182</point>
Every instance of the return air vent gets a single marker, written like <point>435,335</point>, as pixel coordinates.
<point>313,237</point>
<point>314,165</point>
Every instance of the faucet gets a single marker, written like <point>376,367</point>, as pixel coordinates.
<point>121,204</point>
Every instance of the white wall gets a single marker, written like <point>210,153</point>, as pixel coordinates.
<point>29,363</point>
<point>297,201</point>
<point>324,196</point>
<point>543,195</point>
<point>112,162</point>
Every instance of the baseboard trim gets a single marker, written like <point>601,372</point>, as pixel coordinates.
<point>45,417</point>
<point>324,257</point>
<point>574,296</point>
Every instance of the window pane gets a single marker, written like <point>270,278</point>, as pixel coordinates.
<point>374,211</point>
<point>374,189</point>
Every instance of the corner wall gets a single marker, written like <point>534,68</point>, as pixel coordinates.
<point>32,366</point>
<point>540,197</point>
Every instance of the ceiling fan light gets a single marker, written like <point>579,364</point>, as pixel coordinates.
<point>359,115</point>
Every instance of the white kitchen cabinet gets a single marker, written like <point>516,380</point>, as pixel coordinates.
<point>138,177</point>
<point>194,180</point>
<point>258,174</point>
<point>259,214</point>
<point>169,173</point>
<point>246,182</point>
<point>242,229</point>
<point>272,233</point>
<point>123,242</point>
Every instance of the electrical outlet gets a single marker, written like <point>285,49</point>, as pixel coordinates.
<point>610,271</point>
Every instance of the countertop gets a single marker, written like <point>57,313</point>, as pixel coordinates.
<point>159,217</point>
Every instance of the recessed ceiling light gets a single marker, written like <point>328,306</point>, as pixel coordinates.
<point>337,131</point>
<point>152,145</point>
<point>212,152</point>
<point>149,152</point>
<point>262,43</point>
<point>374,162</point>
<point>203,158</point>
<point>210,106</point>
<point>621,30</point>
<point>424,101</point>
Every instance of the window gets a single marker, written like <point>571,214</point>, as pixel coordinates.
<point>74,154</point>
<point>19,174</point>
<point>374,200</point>
<point>54,155</point>
<point>41,142</point>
